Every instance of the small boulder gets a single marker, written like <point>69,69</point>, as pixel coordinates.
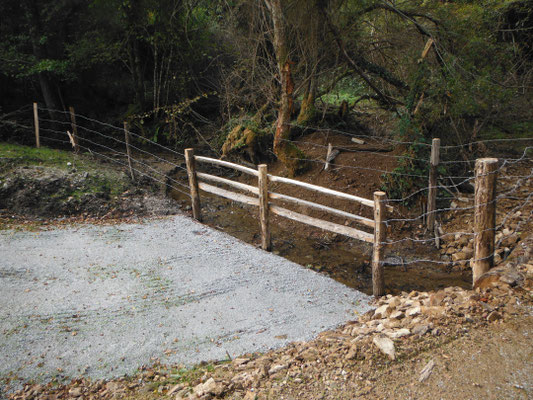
<point>420,329</point>
<point>397,315</point>
<point>399,333</point>
<point>382,312</point>
<point>386,346</point>
<point>75,392</point>
<point>413,311</point>
<point>277,368</point>
<point>207,387</point>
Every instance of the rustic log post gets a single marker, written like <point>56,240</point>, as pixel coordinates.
<point>432,194</point>
<point>36,124</point>
<point>128,150</point>
<point>264,207</point>
<point>193,183</point>
<point>74,130</point>
<point>485,216</point>
<point>380,234</point>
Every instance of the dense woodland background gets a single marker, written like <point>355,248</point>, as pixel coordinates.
<point>248,76</point>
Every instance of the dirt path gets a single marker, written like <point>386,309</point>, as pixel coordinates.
<point>491,363</point>
<point>101,301</point>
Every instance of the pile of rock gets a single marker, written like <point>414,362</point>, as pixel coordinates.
<point>391,329</point>
<point>459,248</point>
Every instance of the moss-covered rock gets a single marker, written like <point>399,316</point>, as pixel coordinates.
<point>294,159</point>
<point>247,143</point>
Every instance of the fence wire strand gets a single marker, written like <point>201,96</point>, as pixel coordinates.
<point>509,194</point>
<point>114,127</point>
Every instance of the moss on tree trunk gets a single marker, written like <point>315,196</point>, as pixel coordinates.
<point>286,152</point>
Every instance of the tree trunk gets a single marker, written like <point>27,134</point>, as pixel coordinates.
<point>283,128</point>
<point>40,53</point>
<point>286,152</point>
<point>137,74</point>
<point>307,110</point>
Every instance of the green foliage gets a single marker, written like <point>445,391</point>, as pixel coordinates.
<point>152,61</point>
<point>170,124</point>
<point>347,89</point>
<point>413,168</point>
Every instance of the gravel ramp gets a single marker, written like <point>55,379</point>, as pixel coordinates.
<point>101,301</point>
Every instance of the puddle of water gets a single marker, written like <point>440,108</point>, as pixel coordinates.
<point>343,259</point>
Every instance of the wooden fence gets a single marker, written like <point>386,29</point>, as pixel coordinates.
<point>484,205</point>
<point>263,196</point>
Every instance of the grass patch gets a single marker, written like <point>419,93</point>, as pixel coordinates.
<point>347,89</point>
<point>25,155</point>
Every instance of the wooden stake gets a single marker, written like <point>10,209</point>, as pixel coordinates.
<point>380,234</point>
<point>330,156</point>
<point>74,129</point>
<point>485,216</point>
<point>432,193</point>
<point>193,183</point>
<point>427,47</point>
<point>330,148</point>
<point>128,150</point>
<point>36,123</point>
<point>266,243</point>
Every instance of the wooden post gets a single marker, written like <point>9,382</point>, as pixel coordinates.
<point>74,130</point>
<point>264,207</point>
<point>128,151</point>
<point>36,124</point>
<point>193,183</point>
<point>485,216</point>
<point>432,194</point>
<point>380,234</point>
<point>328,155</point>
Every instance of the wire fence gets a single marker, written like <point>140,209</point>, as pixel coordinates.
<point>514,188</point>
<point>153,161</point>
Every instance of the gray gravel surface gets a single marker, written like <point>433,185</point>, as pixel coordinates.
<point>101,301</point>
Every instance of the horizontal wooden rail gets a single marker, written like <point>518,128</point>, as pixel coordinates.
<point>365,221</point>
<point>278,196</point>
<point>229,195</point>
<point>329,226</point>
<point>227,164</point>
<point>341,195</point>
<point>237,185</point>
